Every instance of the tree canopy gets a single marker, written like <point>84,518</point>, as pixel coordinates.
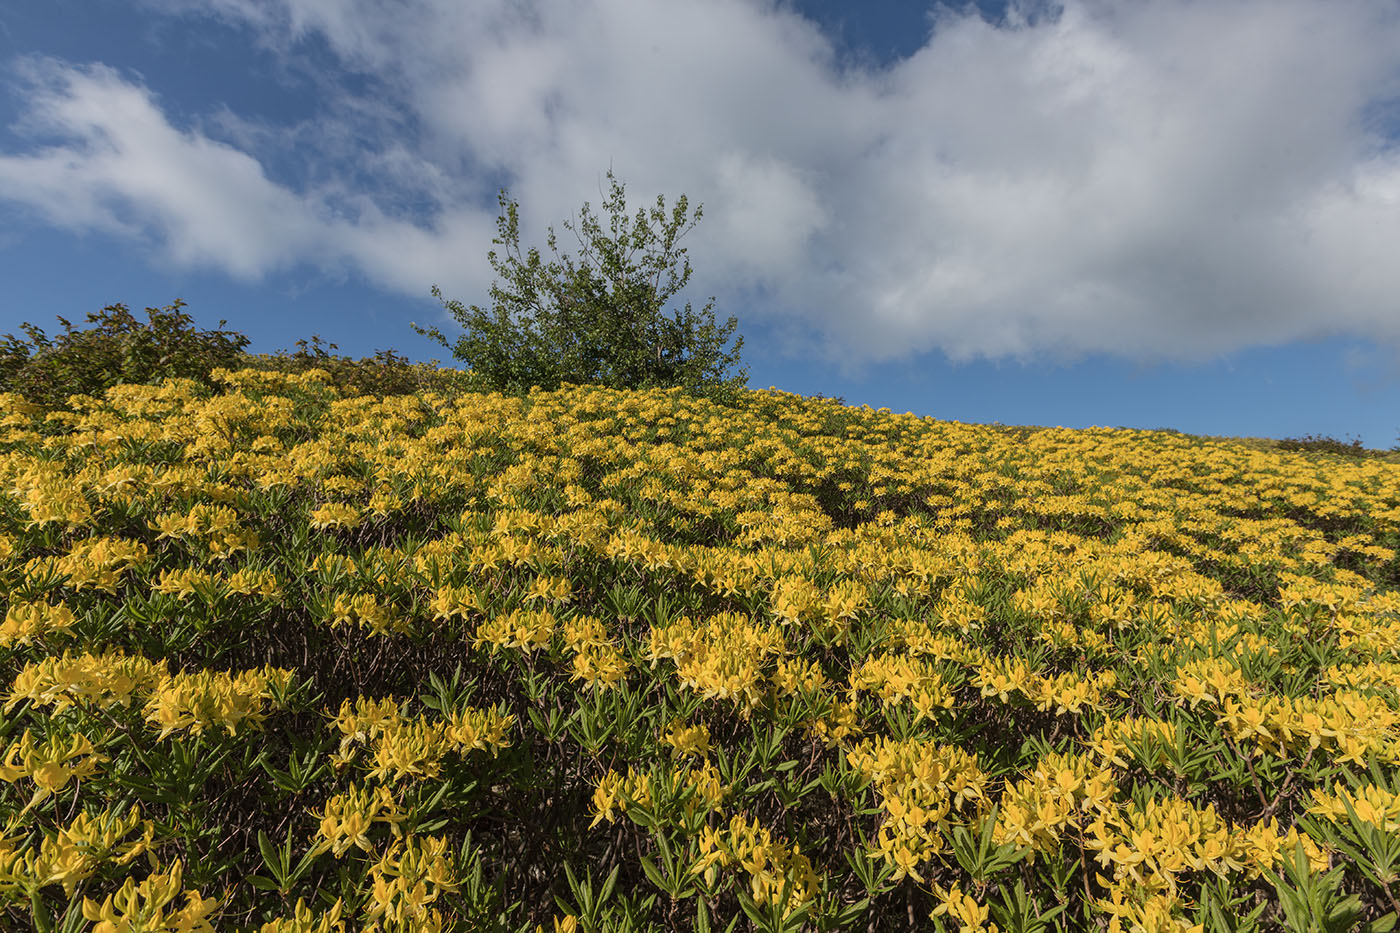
<point>600,318</point>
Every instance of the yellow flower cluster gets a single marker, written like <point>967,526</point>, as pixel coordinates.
<point>1064,693</point>
<point>347,818</point>
<point>97,562</point>
<point>217,527</point>
<point>799,676</point>
<point>365,611</point>
<point>1372,676</point>
<point>207,699</point>
<point>448,600</point>
<point>895,678</point>
<point>197,701</point>
<point>688,740</point>
<point>187,582</point>
<point>50,763</point>
<point>776,870</point>
<point>26,623</point>
<point>1209,680</point>
<point>303,920</point>
<point>1372,804</point>
<point>1143,738</point>
<point>923,789</point>
<point>689,789</point>
<point>1351,725</point>
<point>721,657</point>
<point>405,883</point>
<point>1059,794</point>
<point>524,629</point>
<point>616,793</point>
<point>248,582</point>
<point>150,906</point>
<point>102,680</point>
<point>598,660</point>
<point>48,496</point>
<point>1148,848</point>
<point>336,515</point>
<point>956,904</point>
<point>411,746</point>
<point>1346,722</point>
<point>76,851</point>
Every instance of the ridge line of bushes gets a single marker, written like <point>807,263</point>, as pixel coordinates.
<point>120,349</point>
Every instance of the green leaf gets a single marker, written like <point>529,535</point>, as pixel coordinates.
<point>649,867</point>
<point>263,883</point>
<point>271,857</point>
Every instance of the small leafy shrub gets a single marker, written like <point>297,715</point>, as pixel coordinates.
<point>600,320</point>
<point>1329,445</point>
<point>384,374</point>
<point>120,349</point>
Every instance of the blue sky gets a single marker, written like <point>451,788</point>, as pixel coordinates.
<point>1141,213</point>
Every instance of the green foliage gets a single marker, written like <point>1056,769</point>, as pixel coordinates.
<point>1329,445</point>
<point>1315,903</point>
<point>384,374</point>
<point>601,319</point>
<point>120,349</point>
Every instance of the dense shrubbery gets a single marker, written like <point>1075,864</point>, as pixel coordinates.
<point>1329,445</point>
<point>275,661</point>
<point>384,374</point>
<point>120,349</point>
<point>282,661</point>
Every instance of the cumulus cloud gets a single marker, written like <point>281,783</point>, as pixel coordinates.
<point>130,169</point>
<point>1150,178</point>
<point>121,167</point>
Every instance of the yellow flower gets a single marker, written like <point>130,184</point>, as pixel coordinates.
<point>336,515</point>
<point>48,765</point>
<point>26,622</point>
<point>569,924</point>
<point>957,905</point>
<point>365,611</point>
<point>206,699</point>
<point>600,666</point>
<point>606,798</point>
<point>149,907</point>
<point>347,818</point>
<point>688,740</point>
<point>407,880</point>
<point>71,855</point>
<point>303,921</point>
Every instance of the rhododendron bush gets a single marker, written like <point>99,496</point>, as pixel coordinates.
<point>278,660</point>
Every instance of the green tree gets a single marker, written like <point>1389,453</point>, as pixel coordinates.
<point>600,319</point>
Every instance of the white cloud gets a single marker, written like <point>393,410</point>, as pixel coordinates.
<point>212,203</point>
<point>1151,178</point>
<point>766,213</point>
<point>124,169</point>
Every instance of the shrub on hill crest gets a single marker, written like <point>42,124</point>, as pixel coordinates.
<point>600,320</point>
<point>120,349</point>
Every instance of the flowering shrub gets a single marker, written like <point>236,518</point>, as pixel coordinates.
<point>278,657</point>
